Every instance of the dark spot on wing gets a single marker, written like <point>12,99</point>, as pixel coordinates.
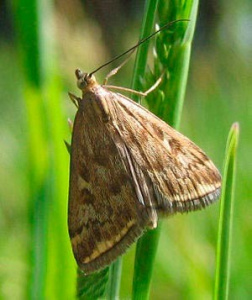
<point>159,132</point>
<point>84,172</point>
<point>86,196</point>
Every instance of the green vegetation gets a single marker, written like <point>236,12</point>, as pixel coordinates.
<point>37,71</point>
<point>223,261</point>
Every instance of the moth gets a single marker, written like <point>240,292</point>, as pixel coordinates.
<point>128,168</point>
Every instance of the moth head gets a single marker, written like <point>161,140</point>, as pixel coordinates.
<point>85,81</point>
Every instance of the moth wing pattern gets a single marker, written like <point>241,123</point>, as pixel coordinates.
<point>179,175</point>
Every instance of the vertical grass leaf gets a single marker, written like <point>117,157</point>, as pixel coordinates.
<point>142,51</point>
<point>93,286</point>
<point>102,284</point>
<point>27,28</point>
<point>114,281</point>
<point>226,217</point>
<point>49,257</point>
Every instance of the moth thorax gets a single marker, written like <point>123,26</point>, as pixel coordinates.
<point>85,81</point>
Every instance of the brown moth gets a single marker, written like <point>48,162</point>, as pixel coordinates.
<point>128,168</point>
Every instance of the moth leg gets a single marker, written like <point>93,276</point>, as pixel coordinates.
<point>152,88</point>
<point>119,88</point>
<point>74,99</point>
<point>114,71</point>
<point>155,85</point>
<point>70,124</point>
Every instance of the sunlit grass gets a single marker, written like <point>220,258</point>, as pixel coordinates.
<point>224,245</point>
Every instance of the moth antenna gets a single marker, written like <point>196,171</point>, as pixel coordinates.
<point>139,43</point>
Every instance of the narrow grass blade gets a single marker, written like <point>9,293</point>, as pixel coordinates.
<point>114,280</point>
<point>93,286</point>
<point>142,51</point>
<point>103,284</point>
<point>173,49</point>
<point>50,261</point>
<point>226,217</point>
<point>143,283</point>
<point>27,28</point>
<point>144,262</point>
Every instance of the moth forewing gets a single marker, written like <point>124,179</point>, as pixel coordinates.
<point>105,212</point>
<point>181,175</point>
<point>127,168</point>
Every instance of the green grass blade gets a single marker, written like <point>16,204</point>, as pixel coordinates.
<point>144,262</point>
<point>142,51</point>
<point>226,217</point>
<point>142,283</point>
<point>173,49</point>
<point>27,29</point>
<point>114,280</point>
<point>50,261</point>
<point>166,101</point>
<point>93,286</point>
<point>105,283</point>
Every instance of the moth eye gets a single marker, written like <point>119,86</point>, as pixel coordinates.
<point>81,83</point>
<point>81,79</point>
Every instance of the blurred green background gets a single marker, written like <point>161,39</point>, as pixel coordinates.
<point>34,161</point>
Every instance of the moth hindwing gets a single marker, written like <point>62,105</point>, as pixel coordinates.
<point>128,168</point>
